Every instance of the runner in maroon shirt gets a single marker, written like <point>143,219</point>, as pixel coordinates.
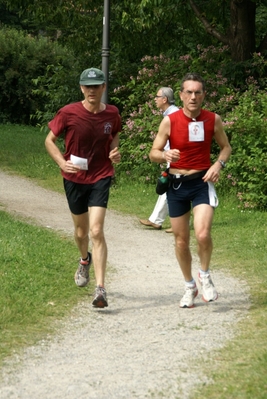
<point>90,130</point>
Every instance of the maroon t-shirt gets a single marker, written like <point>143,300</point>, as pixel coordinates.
<point>87,135</point>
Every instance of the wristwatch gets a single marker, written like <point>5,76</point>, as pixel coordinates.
<point>223,164</point>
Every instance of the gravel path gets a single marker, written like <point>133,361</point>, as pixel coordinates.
<point>143,345</point>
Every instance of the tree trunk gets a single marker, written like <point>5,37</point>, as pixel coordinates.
<point>242,29</point>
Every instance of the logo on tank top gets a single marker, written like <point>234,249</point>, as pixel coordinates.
<point>196,131</point>
<point>107,128</point>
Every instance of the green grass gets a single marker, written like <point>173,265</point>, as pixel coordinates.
<point>36,282</point>
<point>238,370</point>
<point>22,151</point>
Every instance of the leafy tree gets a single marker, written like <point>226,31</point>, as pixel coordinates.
<point>150,27</point>
<point>230,22</point>
<point>9,18</point>
<point>240,30</point>
<point>77,24</point>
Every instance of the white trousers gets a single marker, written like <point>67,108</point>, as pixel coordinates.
<point>160,210</point>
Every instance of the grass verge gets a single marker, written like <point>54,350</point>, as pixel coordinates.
<point>238,370</point>
<point>37,285</point>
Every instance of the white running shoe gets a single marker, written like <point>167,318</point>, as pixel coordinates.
<point>190,294</point>
<point>209,292</point>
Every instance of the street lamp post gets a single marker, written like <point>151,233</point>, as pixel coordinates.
<point>105,47</point>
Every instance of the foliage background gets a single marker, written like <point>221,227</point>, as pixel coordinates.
<point>34,71</point>
<point>44,47</point>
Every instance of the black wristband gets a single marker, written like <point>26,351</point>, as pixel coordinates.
<point>223,164</point>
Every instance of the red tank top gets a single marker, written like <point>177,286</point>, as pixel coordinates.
<point>193,138</point>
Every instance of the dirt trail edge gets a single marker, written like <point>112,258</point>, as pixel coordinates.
<point>143,345</point>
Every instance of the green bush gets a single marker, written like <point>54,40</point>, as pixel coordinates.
<point>24,60</point>
<point>140,116</point>
<point>57,87</point>
<point>247,168</point>
<point>242,107</point>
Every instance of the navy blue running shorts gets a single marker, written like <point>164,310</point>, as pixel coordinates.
<point>181,195</point>
<point>82,196</point>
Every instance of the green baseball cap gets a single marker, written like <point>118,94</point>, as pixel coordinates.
<point>92,76</point>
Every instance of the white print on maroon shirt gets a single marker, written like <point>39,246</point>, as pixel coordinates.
<point>107,128</point>
<point>196,131</point>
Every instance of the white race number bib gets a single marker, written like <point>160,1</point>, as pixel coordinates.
<point>196,131</point>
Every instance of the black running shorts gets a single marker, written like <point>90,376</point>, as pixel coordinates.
<point>82,196</point>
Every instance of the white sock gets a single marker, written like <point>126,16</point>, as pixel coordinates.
<point>190,284</point>
<point>202,273</point>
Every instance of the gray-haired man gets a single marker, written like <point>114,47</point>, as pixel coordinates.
<point>164,100</point>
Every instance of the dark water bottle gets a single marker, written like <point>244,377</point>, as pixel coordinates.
<point>163,183</point>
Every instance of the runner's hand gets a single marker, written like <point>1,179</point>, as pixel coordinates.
<point>69,167</point>
<point>115,155</point>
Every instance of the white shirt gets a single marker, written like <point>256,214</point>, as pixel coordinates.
<point>172,108</point>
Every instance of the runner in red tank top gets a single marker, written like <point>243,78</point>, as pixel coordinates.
<point>190,132</point>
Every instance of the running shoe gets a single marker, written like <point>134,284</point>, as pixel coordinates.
<point>209,292</point>
<point>190,294</point>
<point>100,298</point>
<point>81,276</point>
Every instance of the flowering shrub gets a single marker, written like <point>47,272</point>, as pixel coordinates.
<point>141,118</point>
<point>247,167</point>
<point>242,107</point>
